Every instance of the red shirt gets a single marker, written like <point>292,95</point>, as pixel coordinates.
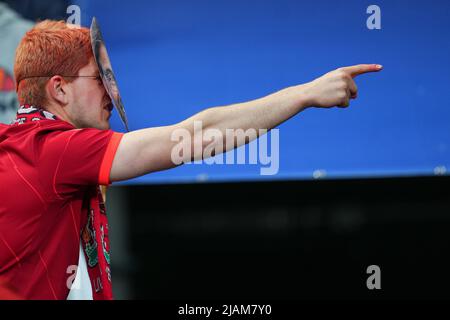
<point>49,174</point>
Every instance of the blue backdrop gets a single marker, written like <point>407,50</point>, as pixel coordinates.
<point>174,58</point>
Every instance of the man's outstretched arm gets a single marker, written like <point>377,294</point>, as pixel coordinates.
<point>148,150</point>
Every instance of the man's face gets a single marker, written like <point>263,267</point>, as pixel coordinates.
<point>91,106</point>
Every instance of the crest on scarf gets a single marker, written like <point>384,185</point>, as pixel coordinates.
<point>89,241</point>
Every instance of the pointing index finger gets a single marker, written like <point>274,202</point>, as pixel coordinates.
<point>356,70</point>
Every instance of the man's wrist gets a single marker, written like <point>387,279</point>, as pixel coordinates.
<point>300,97</point>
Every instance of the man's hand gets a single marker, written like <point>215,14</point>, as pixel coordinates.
<point>337,87</point>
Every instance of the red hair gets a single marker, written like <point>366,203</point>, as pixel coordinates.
<point>50,48</point>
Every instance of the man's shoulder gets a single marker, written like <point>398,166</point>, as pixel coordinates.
<point>51,135</point>
<point>20,134</point>
<point>35,126</point>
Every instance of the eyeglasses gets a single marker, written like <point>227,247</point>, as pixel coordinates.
<point>93,77</point>
<point>29,77</point>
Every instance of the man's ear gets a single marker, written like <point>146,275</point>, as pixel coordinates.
<point>57,89</point>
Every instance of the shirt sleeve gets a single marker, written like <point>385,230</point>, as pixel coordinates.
<point>79,157</point>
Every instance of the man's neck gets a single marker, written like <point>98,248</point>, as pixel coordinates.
<point>59,112</point>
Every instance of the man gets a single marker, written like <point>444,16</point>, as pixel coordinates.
<point>60,149</point>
